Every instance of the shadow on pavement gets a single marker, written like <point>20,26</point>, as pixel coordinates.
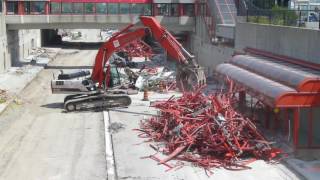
<point>130,112</point>
<point>54,106</point>
<point>67,67</point>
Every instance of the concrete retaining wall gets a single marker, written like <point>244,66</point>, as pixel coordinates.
<point>29,39</point>
<point>15,44</point>
<point>21,43</point>
<point>4,55</point>
<point>290,41</point>
<point>208,55</point>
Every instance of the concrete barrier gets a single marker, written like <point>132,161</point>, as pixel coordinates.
<point>295,42</point>
<point>207,54</point>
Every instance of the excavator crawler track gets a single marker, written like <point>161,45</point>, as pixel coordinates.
<point>96,102</point>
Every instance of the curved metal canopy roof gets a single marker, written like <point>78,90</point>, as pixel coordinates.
<point>278,84</point>
<point>300,78</point>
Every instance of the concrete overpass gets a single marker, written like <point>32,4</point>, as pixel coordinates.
<point>178,15</point>
<point>15,22</point>
<point>38,18</point>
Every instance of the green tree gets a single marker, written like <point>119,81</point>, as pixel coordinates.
<point>283,16</point>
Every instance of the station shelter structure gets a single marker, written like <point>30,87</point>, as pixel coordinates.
<point>287,90</point>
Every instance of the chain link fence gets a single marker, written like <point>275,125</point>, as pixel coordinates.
<point>284,17</point>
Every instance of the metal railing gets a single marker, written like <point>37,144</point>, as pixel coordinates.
<point>297,18</point>
<point>74,7</point>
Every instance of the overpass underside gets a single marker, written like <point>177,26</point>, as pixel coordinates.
<point>14,22</point>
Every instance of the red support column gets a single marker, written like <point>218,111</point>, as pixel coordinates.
<point>181,10</point>
<point>21,8</point>
<point>196,8</point>
<point>287,121</point>
<point>46,7</point>
<point>310,131</point>
<point>155,10</point>
<point>296,124</point>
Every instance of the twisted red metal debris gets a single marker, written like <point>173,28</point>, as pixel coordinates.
<point>138,49</point>
<point>207,131</point>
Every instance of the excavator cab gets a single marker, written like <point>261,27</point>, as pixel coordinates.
<point>114,77</point>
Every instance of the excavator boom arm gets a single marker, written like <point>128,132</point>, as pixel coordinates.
<point>167,41</point>
<point>122,38</point>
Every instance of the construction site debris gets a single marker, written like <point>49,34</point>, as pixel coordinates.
<point>21,70</point>
<point>40,55</point>
<point>121,61</point>
<point>137,48</point>
<point>159,59</point>
<point>40,52</point>
<point>131,75</point>
<point>153,77</point>
<point>106,33</point>
<point>3,96</point>
<point>69,34</point>
<point>206,131</point>
<point>17,101</point>
<point>115,127</point>
<point>68,53</point>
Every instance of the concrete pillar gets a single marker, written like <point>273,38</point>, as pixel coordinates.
<point>13,46</point>
<point>181,10</point>
<point>46,8</point>
<point>296,124</point>
<point>155,10</point>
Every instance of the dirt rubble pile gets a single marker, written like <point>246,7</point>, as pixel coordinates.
<point>3,96</point>
<point>206,131</point>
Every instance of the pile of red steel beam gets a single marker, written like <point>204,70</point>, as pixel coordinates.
<point>138,48</point>
<point>206,131</point>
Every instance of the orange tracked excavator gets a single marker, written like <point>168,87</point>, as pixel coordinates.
<point>189,73</point>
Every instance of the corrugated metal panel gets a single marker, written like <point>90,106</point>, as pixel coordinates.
<point>282,72</point>
<point>268,89</point>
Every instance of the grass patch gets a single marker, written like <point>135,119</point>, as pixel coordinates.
<point>2,100</point>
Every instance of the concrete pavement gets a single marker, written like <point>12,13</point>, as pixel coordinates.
<point>128,149</point>
<point>39,141</point>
